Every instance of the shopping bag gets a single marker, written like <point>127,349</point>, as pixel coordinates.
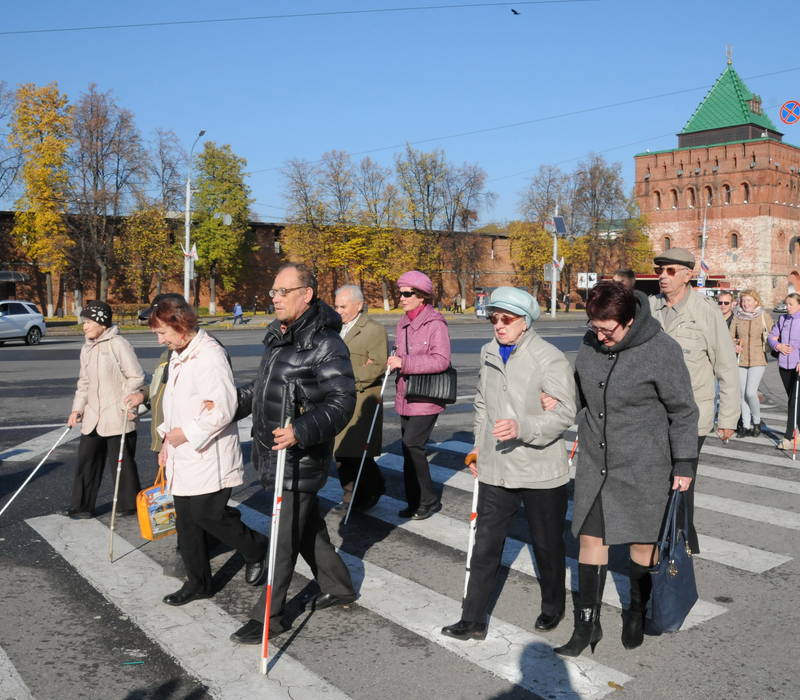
<point>155,509</point>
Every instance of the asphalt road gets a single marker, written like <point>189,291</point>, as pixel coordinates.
<point>74,625</point>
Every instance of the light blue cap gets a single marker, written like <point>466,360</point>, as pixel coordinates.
<point>517,301</point>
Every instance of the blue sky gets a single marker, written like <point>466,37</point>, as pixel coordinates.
<point>295,88</point>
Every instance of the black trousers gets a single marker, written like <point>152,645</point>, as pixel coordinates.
<point>545,510</point>
<point>93,452</point>
<point>199,516</point>
<point>303,531</point>
<point>416,430</point>
<point>371,486</point>
<point>790,380</point>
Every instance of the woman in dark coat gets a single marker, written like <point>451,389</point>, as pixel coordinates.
<point>638,438</point>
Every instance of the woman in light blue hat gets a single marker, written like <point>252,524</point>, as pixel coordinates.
<point>521,457</point>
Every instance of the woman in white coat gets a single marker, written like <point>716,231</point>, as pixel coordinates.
<point>201,450</point>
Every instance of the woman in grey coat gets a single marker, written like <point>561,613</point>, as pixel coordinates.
<point>637,433</point>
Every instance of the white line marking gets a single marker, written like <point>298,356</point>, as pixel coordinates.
<point>749,511</point>
<point>39,445</point>
<point>508,652</point>
<point>12,687</point>
<point>196,635</point>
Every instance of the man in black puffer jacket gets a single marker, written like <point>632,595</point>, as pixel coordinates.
<point>304,353</point>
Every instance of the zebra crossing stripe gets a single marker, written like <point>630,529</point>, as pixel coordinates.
<point>31,449</point>
<point>196,635</point>
<point>508,651</point>
<point>12,686</point>
<point>749,511</point>
<point>517,555</point>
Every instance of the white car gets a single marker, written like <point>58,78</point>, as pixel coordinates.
<point>21,320</point>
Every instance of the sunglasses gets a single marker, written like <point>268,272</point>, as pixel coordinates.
<point>724,303</point>
<point>506,320</point>
<point>408,295</point>
<point>671,271</point>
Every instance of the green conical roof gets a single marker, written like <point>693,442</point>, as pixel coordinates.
<point>728,103</point>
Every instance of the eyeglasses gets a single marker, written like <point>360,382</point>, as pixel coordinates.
<point>283,291</point>
<point>494,319</point>
<point>671,271</point>
<point>605,332</point>
<point>408,295</point>
<point>724,303</point>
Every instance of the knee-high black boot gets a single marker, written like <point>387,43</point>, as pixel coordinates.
<point>591,581</point>
<point>633,617</point>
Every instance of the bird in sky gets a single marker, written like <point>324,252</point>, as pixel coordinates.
<point>514,12</point>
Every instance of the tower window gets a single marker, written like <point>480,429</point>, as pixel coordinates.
<point>674,197</point>
<point>709,196</point>
<point>667,243</point>
<point>745,193</point>
<point>657,199</point>
<point>691,199</point>
<point>734,240</point>
<point>726,194</point>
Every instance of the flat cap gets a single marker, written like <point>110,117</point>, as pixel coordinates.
<point>675,256</point>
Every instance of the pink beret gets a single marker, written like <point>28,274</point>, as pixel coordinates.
<point>417,280</point>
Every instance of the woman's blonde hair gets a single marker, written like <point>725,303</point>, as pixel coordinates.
<point>751,293</point>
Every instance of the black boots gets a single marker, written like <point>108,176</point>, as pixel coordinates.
<point>587,632</point>
<point>741,430</point>
<point>756,430</point>
<point>633,617</point>
<point>464,629</point>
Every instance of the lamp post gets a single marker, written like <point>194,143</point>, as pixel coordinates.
<point>187,224</point>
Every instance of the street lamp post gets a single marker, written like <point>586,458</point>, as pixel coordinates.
<point>187,224</point>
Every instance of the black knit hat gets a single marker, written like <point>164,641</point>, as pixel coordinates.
<point>144,315</point>
<point>97,311</point>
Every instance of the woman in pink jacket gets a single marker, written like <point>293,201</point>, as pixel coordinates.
<point>423,347</point>
<point>201,450</point>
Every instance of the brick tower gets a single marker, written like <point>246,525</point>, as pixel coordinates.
<point>732,169</point>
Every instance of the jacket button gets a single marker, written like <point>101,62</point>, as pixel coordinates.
<point>611,356</point>
<point>601,414</point>
<point>601,384</point>
<point>603,445</point>
<point>603,471</point>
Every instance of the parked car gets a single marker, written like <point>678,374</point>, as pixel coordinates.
<point>780,308</point>
<point>21,320</point>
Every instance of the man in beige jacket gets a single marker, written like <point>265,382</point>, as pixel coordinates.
<point>695,322</point>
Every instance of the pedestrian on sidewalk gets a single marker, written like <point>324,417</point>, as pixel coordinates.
<point>238,314</point>
<point>784,338</point>
<point>201,450</point>
<point>423,347</point>
<point>366,340</point>
<point>749,329</point>
<point>638,435</point>
<point>109,371</point>
<point>522,458</point>
<point>303,354</point>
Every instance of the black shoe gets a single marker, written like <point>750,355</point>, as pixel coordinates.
<point>465,630</point>
<point>369,502</point>
<point>252,631</point>
<point>407,512</point>
<point>548,622</point>
<point>425,513</point>
<point>126,512</point>
<point>326,600</point>
<point>79,514</point>
<point>256,571</point>
<point>184,596</point>
<point>755,431</point>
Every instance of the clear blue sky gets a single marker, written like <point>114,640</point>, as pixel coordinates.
<point>295,88</point>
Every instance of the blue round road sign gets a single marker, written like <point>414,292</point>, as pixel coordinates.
<point>790,112</point>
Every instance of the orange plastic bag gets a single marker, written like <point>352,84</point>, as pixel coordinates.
<point>155,509</point>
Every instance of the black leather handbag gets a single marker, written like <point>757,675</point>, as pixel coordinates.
<point>438,387</point>
<point>674,589</point>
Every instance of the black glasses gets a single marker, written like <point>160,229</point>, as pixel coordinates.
<point>283,291</point>
<point>724,303</point>
<point>605,332</point>
<point>671,271</point>
<point>506,320</point>
<point>408,295</point>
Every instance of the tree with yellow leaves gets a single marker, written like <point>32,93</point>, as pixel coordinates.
<point>143,249</point>
<point>40,131</point>
<point>531,250</point>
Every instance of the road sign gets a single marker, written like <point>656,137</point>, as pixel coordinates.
<point>790,112</point>
<point>587,280</point>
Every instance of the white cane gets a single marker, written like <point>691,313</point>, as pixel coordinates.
<point>33,473</point>
<point>366,446</point>
<point>794,417</point>
<point>277,499</point>
<point>116,485</point>
<point>473,522</point>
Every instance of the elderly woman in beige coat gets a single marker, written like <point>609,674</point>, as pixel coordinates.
<point>109,371</point>
<point>521,457</point>
<point>201,450</point>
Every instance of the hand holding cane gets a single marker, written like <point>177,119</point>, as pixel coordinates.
<point>116,484</point>
<point>470,459</point>
<point>277,499</point>
<point>36,469</point>
<point>366,446</point>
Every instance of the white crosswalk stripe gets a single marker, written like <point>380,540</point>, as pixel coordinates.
<point>12,687</point>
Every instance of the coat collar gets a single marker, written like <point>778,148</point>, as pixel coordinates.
<point>106,335</point>
<point>427,314</point>
<point>191,349</point>
<point>493,348</point>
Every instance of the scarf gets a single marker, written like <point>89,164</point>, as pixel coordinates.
<point>743,315</point>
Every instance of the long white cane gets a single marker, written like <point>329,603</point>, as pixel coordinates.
<point>36,469</point>
<point>794,427</point>
<point>277,500</point>
<point>366,446</point>
<point>473,522</point>
<point>116,484</point>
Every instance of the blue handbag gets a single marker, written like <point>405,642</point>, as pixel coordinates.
<point>674,589</point>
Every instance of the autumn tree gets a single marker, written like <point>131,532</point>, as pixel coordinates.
<point>107,166</point>
<point>40,131</point>
<point>531,250</point>
<point>142,249</point>
<point>222,213</point>
<point>10,158</point>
